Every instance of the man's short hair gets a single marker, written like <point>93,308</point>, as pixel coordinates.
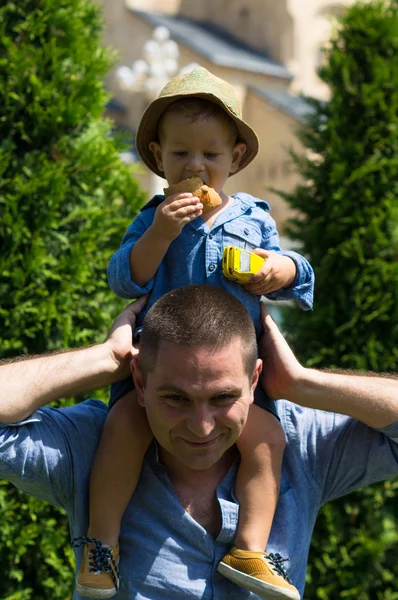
<point>197,316</point>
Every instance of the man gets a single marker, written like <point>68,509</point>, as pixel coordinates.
<point>183,515</point>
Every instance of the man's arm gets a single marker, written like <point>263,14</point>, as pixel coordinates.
<point>27,384</point>
<point>371,399</point>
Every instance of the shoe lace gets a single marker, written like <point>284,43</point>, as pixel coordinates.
<point>100,558</point>
<point>277,560</point>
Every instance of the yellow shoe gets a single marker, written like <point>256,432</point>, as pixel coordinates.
<point>98,576</point>
<point>260,573</point>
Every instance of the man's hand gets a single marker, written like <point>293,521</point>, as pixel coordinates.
<point>173,213</point>
<point>28,384</point>
<point>120,337</point>
<point>277,272</point>
<point>281,372</point>
<point>370,398</point>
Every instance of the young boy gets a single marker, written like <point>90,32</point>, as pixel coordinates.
<point>193,129</point>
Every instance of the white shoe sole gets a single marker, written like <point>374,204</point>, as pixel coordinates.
<point>92,593</point>
<point>261,588</point>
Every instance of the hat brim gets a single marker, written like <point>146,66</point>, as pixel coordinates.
<point>147,130</point>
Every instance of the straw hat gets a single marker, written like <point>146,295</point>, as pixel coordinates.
<point>198,83</point>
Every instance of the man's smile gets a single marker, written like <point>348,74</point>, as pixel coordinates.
<point>203,444</point>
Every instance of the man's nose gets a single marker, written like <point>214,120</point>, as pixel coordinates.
<point>201,421</point>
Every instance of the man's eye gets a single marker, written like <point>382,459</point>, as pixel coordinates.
<point>174,400</point>
<point>225,399</point>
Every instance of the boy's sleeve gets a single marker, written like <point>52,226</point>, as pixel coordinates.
<point>119,277</point>
<point>302,288</point>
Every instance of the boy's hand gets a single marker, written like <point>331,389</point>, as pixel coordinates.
<point>278,271</point>
<point>174,212</point>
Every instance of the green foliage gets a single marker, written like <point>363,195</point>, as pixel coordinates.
<point>353,554</point>
<point>65,202</point>
<point>348,228</point>
<point>35,556</point>
<point>348,202</point>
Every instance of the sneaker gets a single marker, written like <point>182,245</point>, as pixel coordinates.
<point>260,573</point>
<point>98,576</point>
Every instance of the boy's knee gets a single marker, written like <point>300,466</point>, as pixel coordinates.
<point>127,420</point>
<point>124,413</point>
<point>276,436</point>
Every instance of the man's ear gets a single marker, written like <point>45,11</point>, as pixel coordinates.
<point>256,375</point>
<point>138,381</point>
<point>237,153</point>
<point>156,150</point>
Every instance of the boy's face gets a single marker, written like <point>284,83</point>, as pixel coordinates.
<point>202,148</point>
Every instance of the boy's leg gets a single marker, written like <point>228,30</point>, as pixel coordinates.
<point>261,445</point>
<point>114,476</point>
<point>117,466</point>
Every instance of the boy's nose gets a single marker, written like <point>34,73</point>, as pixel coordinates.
<point>195,163</point>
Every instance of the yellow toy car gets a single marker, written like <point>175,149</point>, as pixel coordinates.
<point>240,265</point>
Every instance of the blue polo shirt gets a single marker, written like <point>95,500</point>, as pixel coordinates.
<point>165,553</point>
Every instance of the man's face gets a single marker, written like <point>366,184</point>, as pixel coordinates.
<point>197,401</point>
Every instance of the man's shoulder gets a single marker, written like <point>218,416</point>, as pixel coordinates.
<point>74,430</point>
<point>92,412</point>
<point>311,438</point>
<point>89,413</point>
<point>301,422</point>
<point>50,452</point>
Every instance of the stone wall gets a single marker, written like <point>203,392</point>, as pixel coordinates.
<point>291,31</point>
<point>272,166</point>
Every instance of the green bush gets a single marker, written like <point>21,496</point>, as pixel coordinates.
<point>65,202</point>
<point>348,228</point>
<point>348,203</point>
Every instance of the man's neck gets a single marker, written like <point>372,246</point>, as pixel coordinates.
<point>180,473</point>
<point>196,489</point>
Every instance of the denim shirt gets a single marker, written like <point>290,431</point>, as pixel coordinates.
<point>195,255</point>
<point>165,553</point>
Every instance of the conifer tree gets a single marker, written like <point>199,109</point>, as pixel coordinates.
<point>348,229</point>
<point>348,203</point>
<point>65,202</point>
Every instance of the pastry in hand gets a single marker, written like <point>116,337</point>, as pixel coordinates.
<point>207,195</point>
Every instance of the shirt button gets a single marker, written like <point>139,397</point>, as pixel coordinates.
<point>211,236</point>
<point>246,231</point>
<point>212,266</point>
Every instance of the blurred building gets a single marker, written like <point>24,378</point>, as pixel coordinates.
<point>268,50</point>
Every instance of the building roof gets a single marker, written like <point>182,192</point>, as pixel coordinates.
<point>215,44</point>
<point>292,105</point>
<point>116,105</point>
